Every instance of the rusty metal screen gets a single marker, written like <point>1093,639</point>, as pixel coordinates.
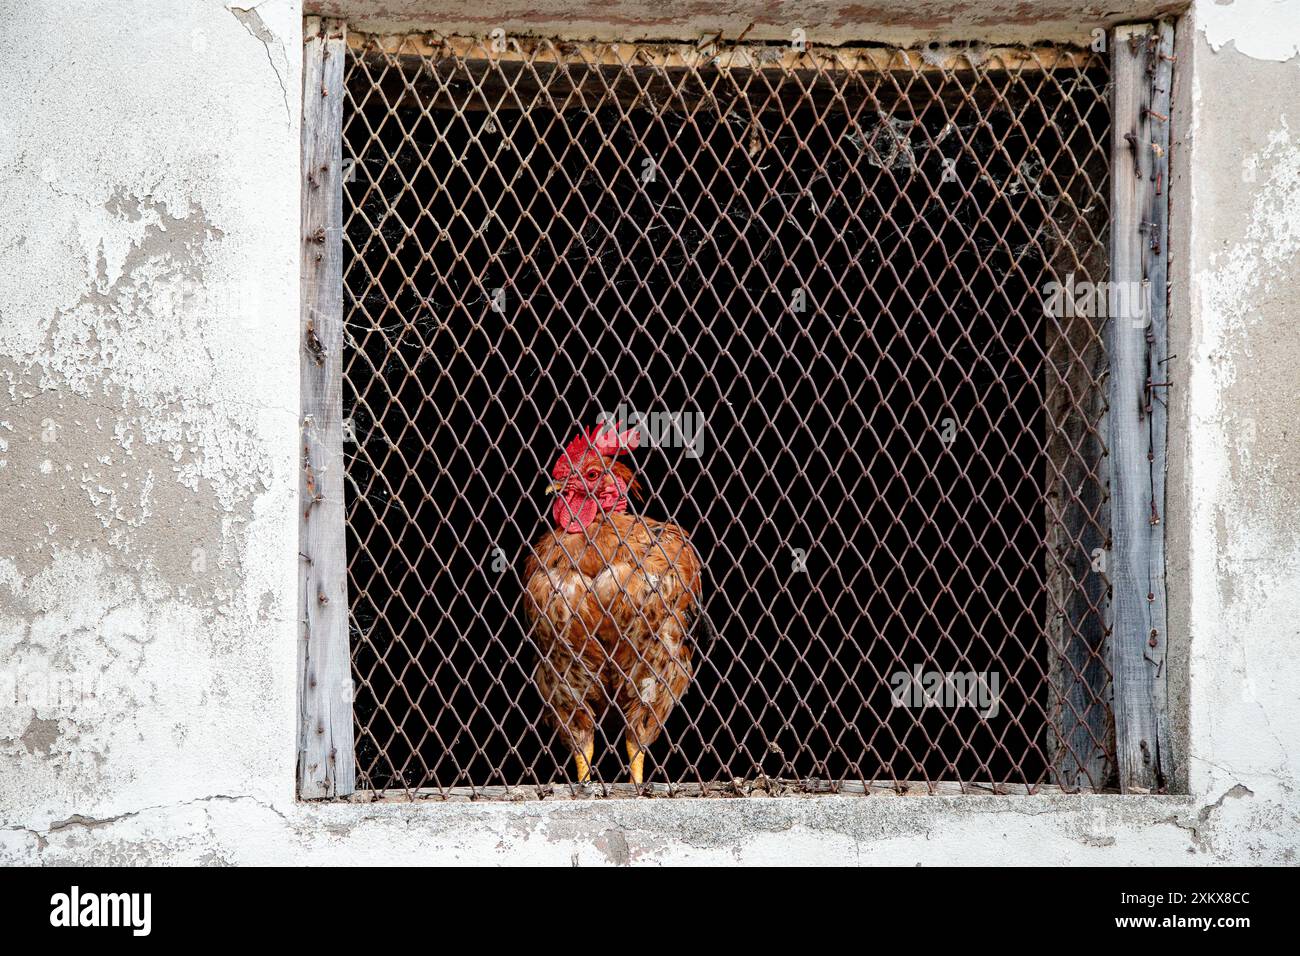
<point>824,281</point>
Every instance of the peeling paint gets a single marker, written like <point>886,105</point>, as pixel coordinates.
<point>1239,487</point>
<point>1260,29</point>
<point>148,383</point>
<point>40,735</point>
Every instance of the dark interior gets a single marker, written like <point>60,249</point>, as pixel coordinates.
<point>919,230</point>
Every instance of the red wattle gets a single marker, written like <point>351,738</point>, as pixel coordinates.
<point>574,511</point>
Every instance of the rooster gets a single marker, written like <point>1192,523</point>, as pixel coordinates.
<point>610,597</point>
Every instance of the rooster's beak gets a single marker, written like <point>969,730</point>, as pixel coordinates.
<point>554,488</point>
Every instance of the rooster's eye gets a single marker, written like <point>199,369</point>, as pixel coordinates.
<point>592,473</point>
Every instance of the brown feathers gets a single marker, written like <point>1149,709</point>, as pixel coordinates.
<point>611,607</point>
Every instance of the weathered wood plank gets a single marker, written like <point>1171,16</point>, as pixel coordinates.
<point>1081,732</point>
<point>751,789</point>
<point>1137,344</point>
<point>326,762</point>
<point>520,72</point>
<point>728,56</point>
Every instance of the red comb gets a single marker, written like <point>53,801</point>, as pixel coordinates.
<point>604,439</point>
<point>609,439</point>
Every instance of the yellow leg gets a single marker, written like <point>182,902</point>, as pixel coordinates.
<point>637,757</point>
<point>583,760</point>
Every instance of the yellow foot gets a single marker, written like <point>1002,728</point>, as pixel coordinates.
<point>637,756</point>
<point>583,760</point>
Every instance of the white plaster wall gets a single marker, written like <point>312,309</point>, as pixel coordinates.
<point>148,390</point>
<point>1237,571</point>
<point>148,407</point>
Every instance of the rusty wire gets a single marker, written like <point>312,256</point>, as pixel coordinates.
<point>836,259</point>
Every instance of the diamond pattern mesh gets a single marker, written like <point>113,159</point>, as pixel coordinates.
<point>831,264</point>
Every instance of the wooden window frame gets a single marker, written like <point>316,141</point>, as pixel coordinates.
<point>1135,424</point>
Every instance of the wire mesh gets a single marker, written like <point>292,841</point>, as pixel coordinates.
<point>815,282</point>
